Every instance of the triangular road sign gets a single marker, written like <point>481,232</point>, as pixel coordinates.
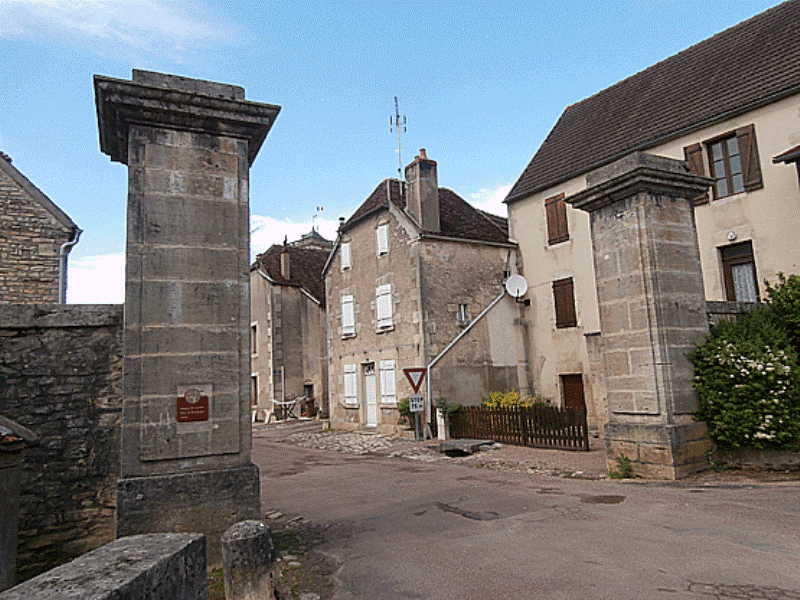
<point>415,375</point>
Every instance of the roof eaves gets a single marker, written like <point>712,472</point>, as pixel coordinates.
<point>656,142</point>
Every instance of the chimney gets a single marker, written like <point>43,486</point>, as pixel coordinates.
<point>285,272</point>
<point>422,202</point>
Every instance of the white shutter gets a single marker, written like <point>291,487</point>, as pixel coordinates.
<point>383,305</point>
<point>348,316</point>
<point>345,255</point>
<point>350,384</point>
<point>388,395</point>
<point>383,239</point>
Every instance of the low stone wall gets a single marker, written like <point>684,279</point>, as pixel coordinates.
<point>156,566</point>
<point>60,376</point>
<point>774,460</point>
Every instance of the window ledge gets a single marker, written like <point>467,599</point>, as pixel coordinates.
<point>384,328</point>
<point>347,336</point>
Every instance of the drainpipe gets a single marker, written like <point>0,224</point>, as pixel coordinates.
<point>62,264</point>
<point>456,339</point>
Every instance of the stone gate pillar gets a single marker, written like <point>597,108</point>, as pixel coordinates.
<point>186,431</point>
<point>652,309</point>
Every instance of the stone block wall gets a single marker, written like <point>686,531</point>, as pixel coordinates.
<point>30,239</point>
<point>165,566</point>
<point>60,376</point>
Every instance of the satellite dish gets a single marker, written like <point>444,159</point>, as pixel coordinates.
<point>516,286</point>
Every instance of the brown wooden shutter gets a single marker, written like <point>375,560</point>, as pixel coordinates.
<point>564,299</point>
<point>694,156</point>
<point>556,212</point>
<point>751,166</point>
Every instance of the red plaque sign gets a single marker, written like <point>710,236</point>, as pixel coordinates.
<point>192,406</point>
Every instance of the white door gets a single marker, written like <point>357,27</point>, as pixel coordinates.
<point>370,394</point>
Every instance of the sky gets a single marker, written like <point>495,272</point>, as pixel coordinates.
<point>480,84</point>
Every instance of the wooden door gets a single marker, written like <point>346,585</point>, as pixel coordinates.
<point>572,388</point>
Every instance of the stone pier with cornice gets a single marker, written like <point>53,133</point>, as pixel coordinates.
<point>652,310</point>
<point>186,431</point>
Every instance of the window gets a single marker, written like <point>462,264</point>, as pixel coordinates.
<point>564,299</point>
<point>463,314</point>
<point>383,306</point>
<point>254,389</point>
<point>382,238</point>
<point>556,212</point>
<point>739,272</point>
<point>345,256</point>
<point>254,339</point>
<point>733,160</point>
<point>350,385</point>
<point>348,317</point>
<point>388,395</point>
<point>726,167</point>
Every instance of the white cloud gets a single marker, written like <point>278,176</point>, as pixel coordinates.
<point>113,27</point>
<point>266,231</point>
<point>96,279</point>
<point>491,199</point>
<point>100,279</point>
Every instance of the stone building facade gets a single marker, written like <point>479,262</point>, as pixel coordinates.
<point>35,238</point>
<point>745,224</point>
<point>414,268</point>
<point>287,333</point>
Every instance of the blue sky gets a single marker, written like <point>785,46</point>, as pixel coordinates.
<point>481,84</point>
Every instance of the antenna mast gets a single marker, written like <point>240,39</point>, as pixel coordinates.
<point>398,123</point>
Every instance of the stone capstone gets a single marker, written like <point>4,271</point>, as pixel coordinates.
<point>168,566</point>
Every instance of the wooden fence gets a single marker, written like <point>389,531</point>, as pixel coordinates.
<point>538,426</point>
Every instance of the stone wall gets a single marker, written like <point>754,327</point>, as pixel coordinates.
<point>30,239</point>
<point>165,566</point>
<point>60,376</point>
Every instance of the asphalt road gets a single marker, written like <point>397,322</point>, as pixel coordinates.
<point>408,529</point>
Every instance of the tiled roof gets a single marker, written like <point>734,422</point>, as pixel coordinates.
<point>305,268</point>
<point>457,218</point>
<point>739,69</point>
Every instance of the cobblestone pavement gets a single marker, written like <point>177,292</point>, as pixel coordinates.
<point>558,463</point>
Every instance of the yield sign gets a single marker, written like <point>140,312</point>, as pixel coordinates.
<point>415,375</point>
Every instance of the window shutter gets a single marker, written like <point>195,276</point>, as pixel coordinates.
<point>345,255</point>
<point>556,213</point>
<point>383,305</point>
<point>388,395</point>
<point>350,385</point>
<point>382,233</point>
<point>748,150</point>
<point>564,298</point>
<point>694,156</point>
<point>348,316</point>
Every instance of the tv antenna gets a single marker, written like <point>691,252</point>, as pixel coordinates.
<point>398,123</point>
<point>314,218</point>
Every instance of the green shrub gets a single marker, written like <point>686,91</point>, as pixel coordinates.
<point>783,300</point>
<point>747,377</point>
<point>446,407</point>
<point>405,412</point>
